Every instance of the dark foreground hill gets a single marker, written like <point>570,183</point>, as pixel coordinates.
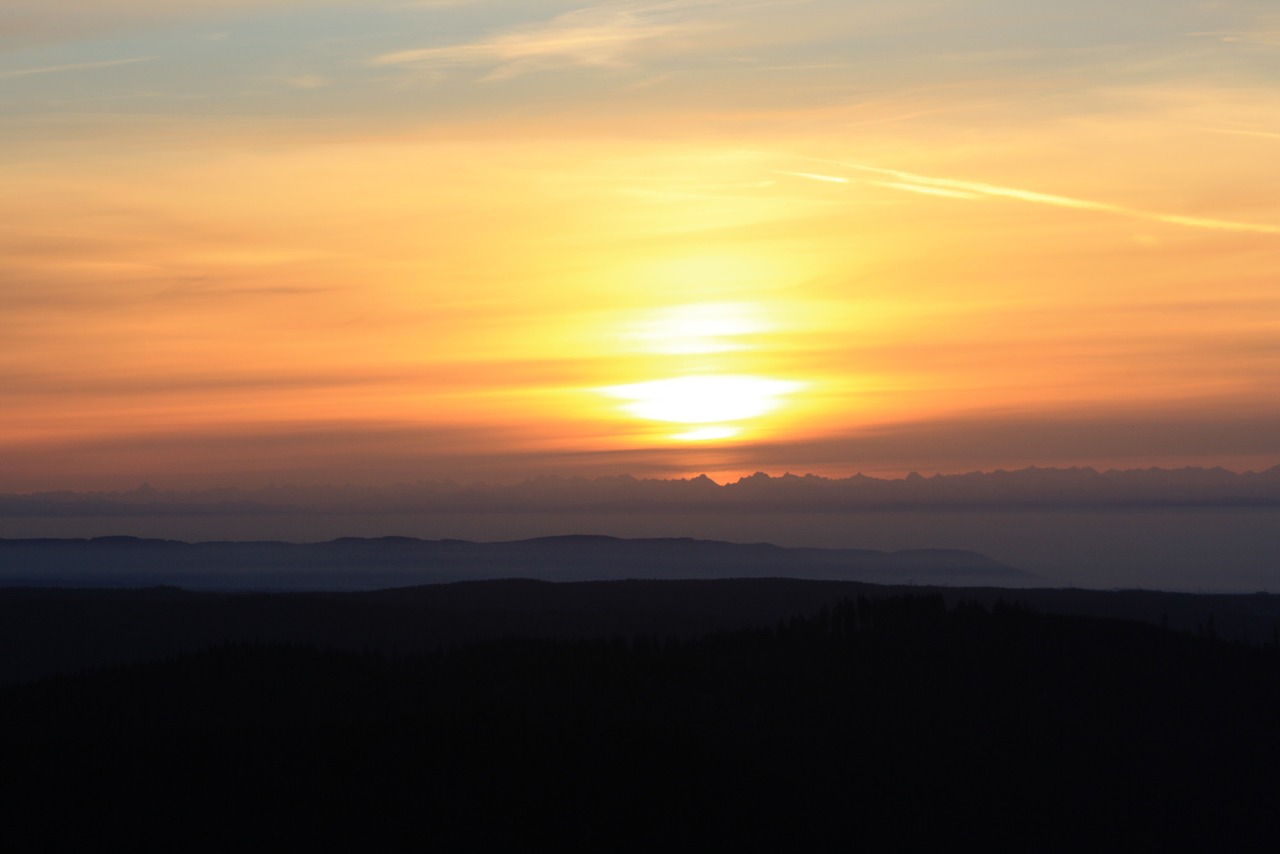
<point>47,631</point>
<point>372,564</point>
<point>874,722</point>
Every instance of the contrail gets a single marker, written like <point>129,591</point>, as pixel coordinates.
<point>930,191</point>
<point>953,184</point>
<point>812,176</point>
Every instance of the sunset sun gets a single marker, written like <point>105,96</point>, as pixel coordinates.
<point>721,400</point>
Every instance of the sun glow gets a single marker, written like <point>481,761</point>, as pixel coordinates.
<point>706,399</point>
<point>709,327</point>
<point>709,352</point>
<point>707,434</point>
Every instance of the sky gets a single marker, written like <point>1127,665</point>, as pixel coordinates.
<point>289,241</point>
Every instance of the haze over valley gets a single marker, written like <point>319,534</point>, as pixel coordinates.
<point>1187,529</point>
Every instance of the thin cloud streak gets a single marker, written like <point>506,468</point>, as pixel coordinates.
<point>813,176</point>
<point>928,191</point>
<point>603,35</point>
<point>1241,132</point>
<point>1054,200</point>
<point>593,36</point>
<point>75,66</point>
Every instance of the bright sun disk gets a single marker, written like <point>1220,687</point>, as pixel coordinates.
<point>704,399</point>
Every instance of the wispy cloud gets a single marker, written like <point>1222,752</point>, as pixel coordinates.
<point>26,22</point>
<point>75,66</point>
<point>924,183</point>
<point>1241,132</point>
<point>434,4</point>
<point>928,191</point>
<point>603,35</point>
<point>813,176</point>
<point>1265,31</point>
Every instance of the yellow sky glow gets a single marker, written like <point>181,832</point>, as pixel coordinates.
<point>598,236</point>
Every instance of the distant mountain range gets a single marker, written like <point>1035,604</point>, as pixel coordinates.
<point>370,564</point>
<point>1030,488</point>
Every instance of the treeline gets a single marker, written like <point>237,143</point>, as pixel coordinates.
<point>893,722</point>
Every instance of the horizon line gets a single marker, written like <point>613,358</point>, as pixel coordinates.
<point>145,486</point>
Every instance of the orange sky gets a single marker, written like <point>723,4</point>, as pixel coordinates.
<point>320,242</point>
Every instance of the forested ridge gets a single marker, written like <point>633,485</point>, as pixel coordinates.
<point>899,721</point>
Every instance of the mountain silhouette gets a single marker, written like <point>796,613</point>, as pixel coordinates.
<point>353,563</point>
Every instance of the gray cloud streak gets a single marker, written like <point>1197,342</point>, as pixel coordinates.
<point>74,66</point>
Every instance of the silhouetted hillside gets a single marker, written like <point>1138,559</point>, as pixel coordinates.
<point>369,564</point>
<point>44,631</point>
<point>886,723</point>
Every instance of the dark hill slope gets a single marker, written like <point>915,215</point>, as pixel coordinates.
<point>892,724</point>
<point>45,631</point>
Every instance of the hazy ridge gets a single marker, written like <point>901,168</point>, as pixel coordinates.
<point>1030,487</point>
<point>366,564</point>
